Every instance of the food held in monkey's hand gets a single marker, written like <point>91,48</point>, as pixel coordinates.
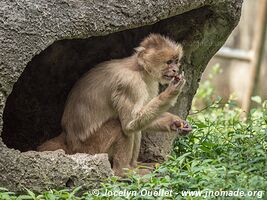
<point>181,126</point>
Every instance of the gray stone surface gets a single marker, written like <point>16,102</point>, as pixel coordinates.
<point>45,46</point>
<point>47,170</point>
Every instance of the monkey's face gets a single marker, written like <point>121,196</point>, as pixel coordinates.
<point>164,64</point>
<point>170,69</point>
<point>160,57</point>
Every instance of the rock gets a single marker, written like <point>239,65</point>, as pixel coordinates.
<point>45,46</point>
<point>51,170</point>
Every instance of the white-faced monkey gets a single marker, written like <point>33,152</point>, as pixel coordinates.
<point>111,104</point>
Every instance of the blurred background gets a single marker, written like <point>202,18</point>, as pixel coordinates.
<point>239,69</point>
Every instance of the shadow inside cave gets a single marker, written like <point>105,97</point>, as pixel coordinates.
<point>33,109</point>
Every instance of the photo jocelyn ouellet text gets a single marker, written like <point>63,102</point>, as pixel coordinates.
<point>170,193</point>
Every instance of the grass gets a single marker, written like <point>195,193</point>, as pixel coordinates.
<point>223,156</point>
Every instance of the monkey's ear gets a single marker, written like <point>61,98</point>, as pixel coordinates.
<point>139,49</point>
<point>180,50</point>
<point>140,52</point>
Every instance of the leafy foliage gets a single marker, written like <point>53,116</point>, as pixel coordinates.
<point>224,153</point>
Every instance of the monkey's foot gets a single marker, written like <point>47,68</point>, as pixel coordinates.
<point>181,126</point>
<point>151,165</point>
<point>143,172</point>
<point>140,170</point>
<point>121,172</point>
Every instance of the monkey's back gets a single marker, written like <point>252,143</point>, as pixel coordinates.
<point>91,100</point>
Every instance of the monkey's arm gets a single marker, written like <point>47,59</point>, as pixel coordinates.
<point>163,123</point>
<point>149,113</point>
<point>168,122</point>
<point>136,116</point>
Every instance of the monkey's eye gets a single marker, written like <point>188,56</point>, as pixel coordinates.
<point>176,61</point>
<point>169,62</point>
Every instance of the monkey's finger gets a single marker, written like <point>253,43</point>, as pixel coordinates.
<point>175,80</point>
<point>178,123</point>
<point>175,124</point>
<point>186,127</point>
<point>183,126</point>
<point>179,83</point>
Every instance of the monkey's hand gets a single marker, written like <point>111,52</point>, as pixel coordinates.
<point>181,126</point>
<point>176,85</point>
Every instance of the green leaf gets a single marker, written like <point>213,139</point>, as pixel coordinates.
<point>209,144</point>
<point>201,125</point>
<point>256,99</point>
<point>25,197</point>
<point>31,194</point>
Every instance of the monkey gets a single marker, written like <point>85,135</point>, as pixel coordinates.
<point>112,103</point>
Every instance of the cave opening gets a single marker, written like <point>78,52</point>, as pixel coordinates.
<point>34,108</point>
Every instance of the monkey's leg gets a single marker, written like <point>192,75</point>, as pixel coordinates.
<point>136,148</point>
<point>54,144</point>
<point>142,168</point>
<point>108,139</point>
<point>122,154</point>
<point>99,142</point>
<point>118,165</point>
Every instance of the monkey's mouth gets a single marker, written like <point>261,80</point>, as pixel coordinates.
<point>169,76</point>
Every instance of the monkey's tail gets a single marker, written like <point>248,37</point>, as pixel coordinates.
<point>55,143</point>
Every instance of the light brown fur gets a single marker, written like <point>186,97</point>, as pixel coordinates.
<point>111,104</point>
